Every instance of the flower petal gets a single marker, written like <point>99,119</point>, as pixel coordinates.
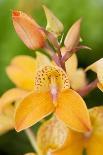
<point>98,68</point>
<point>71,66</point>
<point>53,23</point>
<point>73,36</point>
<point>92,67</point>
<point>43,78</point>
<point>22,71</point>
<point>52,135</point>
<point>100,86</point>
<point>28,30</point>
<point>72,110</point>
<point>42,60</point>
<point>25,62</point>
<point>74,146</point>
<point>32,109</point>
<point>95,142</point>
<point>100,71</point>
<point>6,118</point>
<point>79,80</point>
<point>11,96</point>
<point>8,103</point>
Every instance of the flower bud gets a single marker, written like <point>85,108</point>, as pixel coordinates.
<point>28,30</point>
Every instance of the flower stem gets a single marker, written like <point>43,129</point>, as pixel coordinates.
<point>60,59</point>
<point>54,41</point>
<point>32,139</point>
<point>88,88</point>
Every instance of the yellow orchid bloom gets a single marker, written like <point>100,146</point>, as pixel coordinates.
<point>52,135</point>
<point>7,107</point>
<point>52,95</point>
<point>55,138</point>
<point>97,67</point>
<point>22,71</point>
<point>91,141</point>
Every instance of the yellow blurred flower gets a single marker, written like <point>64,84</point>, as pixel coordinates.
<point>7,107</point>
<point>91,141</point>
<point>52,135</point>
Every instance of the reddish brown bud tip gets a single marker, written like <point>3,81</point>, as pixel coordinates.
<point>16,13</point>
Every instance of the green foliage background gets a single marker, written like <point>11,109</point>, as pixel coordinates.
<point>68,11</point>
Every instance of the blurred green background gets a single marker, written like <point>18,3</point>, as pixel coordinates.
<point>67,11</point>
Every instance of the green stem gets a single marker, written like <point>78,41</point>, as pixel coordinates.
<point>32,139</point>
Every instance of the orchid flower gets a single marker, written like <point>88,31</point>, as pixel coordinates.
<point>23,69</point>
<point>91,142</point>
<point>52,94</point>
<point>51,136</point>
